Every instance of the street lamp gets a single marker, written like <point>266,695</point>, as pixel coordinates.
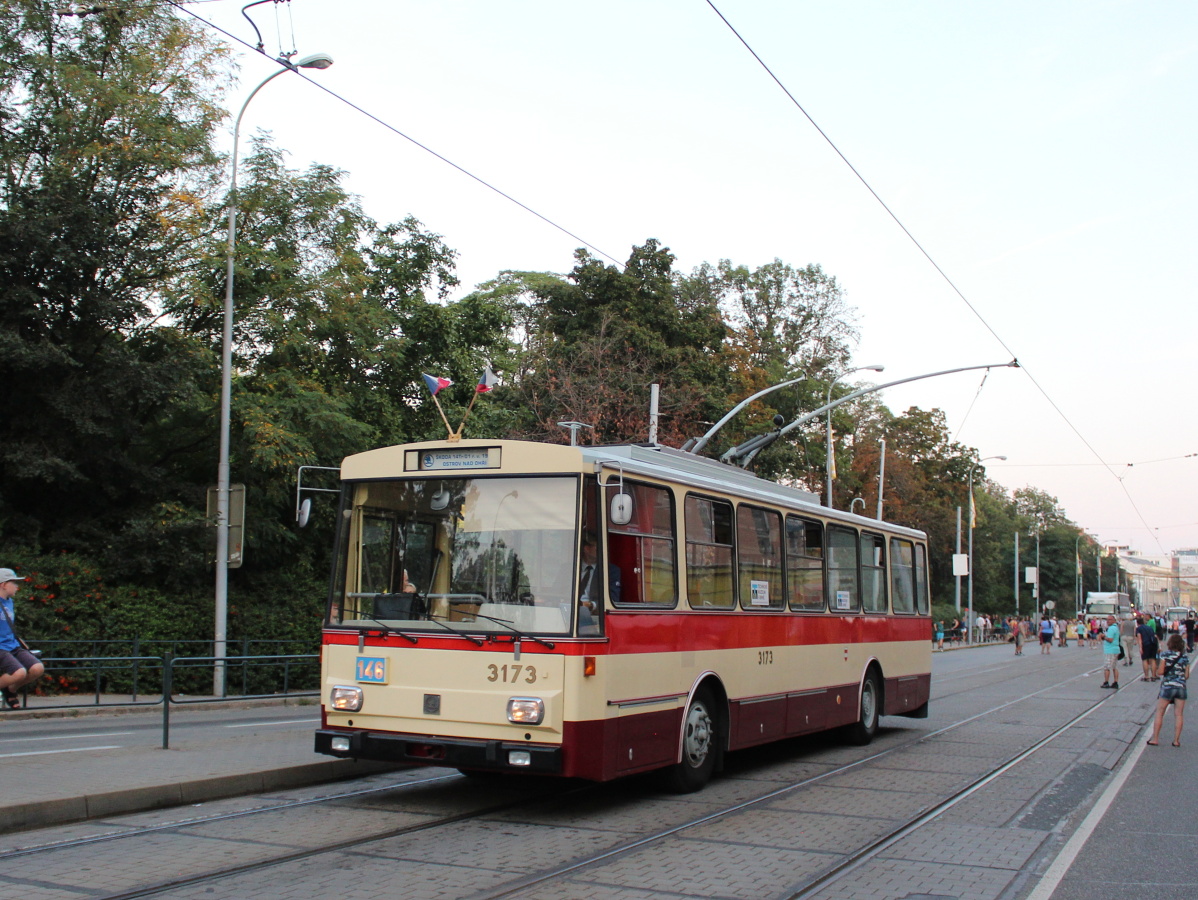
<point>315,61</point>
<point>969,620</point>
<point>830,462</point>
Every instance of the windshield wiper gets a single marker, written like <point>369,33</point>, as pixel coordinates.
<point>436,620</point>
<point>386,629</point>
<point>548,645</point>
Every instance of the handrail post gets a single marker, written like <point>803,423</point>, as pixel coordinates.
<point>136,654</point>
<point>166,700</point>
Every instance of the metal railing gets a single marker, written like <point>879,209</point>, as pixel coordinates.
<point>262,677</point>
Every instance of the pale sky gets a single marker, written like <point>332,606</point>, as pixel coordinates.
<point>1041,152</point>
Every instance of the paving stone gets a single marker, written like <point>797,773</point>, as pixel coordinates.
<point>951,842</point>
<point>704,869</point>
<point>893,879</point>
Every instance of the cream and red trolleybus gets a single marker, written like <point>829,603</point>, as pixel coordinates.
<point>599,611</point>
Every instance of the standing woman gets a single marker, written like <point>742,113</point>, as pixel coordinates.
<point>1173,669</point>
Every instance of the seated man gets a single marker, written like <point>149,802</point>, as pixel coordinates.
<point>590,586</point>
<point>18,667</point>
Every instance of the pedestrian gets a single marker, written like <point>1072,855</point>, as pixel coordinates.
<point>1174,670</point>
<point>18,667</point>
<point>1045,634</point>
<point>1070,633</point>
<point>1017,627</point>
<point>1146,635</point>
<point>940,635</point>
<point>1110,655</point>
<point>1127,636</point>
<point>1191,624</point>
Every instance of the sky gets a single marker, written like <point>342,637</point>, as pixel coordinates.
<point>1041,153</point>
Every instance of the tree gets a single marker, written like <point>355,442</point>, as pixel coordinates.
<point>105,122</point>
<point>601,336</point>
<point>334,325</point>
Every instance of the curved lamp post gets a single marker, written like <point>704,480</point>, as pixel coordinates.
<point>315,61</point>
<point>969,620</point>
<point>830,462</point>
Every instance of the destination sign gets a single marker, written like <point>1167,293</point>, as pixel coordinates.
<point>467,458</point>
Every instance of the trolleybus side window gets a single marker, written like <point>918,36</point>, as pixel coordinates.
<point>805,563</point>
<point>873,573</point>
<point>842,569</point>
<point>902,575</point>
<point>921,579</point>
<point>708,552</point>
<point>759,557</point>
<point>643,549</point>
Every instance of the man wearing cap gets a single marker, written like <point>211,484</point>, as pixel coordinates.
<point>18,667</point>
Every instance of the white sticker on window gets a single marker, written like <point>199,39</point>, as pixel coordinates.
<point>842,600</point>
<point>759,593</point>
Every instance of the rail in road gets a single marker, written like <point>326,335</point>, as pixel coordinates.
<point>974,801</point>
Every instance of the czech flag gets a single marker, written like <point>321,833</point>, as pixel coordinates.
<point>488,380</point>
<point>436,383</point>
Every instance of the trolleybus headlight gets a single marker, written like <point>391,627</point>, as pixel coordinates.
<point>519,758</point>
<point>525,710</point>
<point>339,745</point>
<point>345,699</point>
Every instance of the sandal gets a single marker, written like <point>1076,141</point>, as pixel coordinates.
<point>1153,743</point>
<point>11,699</point>
<point>1177,743</point>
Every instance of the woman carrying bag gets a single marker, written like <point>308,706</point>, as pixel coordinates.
<point>18,666</point>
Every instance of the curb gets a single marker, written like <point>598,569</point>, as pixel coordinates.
<point>44,813</point>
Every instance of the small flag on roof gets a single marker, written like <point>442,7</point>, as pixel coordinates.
<point>488,380</point>
<point>436,383</point>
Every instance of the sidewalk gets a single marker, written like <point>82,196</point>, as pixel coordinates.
<point>53,788</point>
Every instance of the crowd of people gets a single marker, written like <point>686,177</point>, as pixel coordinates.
<point>1163,648</point>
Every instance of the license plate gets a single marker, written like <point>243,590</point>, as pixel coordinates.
<point>372,669</point>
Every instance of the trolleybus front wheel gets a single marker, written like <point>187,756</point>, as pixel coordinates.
<point>866,726</point>
<point>700,743</point>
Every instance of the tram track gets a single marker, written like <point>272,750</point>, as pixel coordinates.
<point>855,859</point>
<point>362,841</point>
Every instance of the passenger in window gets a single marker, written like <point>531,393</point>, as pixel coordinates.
<point>590,595</point>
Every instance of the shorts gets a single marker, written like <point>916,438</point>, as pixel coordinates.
<point>14,660</point>
<point>1148,654</point>
<point>1110,662</point>
<point>1172,692</point>
<point>1046,637</point>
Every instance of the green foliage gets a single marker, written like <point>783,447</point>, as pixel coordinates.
<point>105,148</point>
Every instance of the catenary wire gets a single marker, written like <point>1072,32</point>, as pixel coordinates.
<point>179,5</point>
<point>1031,377</point>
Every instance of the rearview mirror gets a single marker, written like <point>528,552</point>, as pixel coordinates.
<point>621,509</point>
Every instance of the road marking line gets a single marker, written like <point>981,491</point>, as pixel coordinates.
<point>70,750</point>
<point>65,737</point>
<point>288,722</point>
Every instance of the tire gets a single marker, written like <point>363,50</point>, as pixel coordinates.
<point>866,726</point>
<point>700,746</point>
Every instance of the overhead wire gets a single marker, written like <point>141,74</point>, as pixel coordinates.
<point>1044,393</point>
<point>179,5</point>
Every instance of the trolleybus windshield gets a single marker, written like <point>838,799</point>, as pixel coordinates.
<point>480,555</point>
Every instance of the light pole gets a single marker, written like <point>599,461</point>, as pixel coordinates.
<point>972,510</point>
<point>830,462</point>
<point>315,61</point>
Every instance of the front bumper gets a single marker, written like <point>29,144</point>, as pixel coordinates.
<point>455,753</point>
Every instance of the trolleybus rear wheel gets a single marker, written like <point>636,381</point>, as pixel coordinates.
<point>700,743</point>
<point>866,726</point>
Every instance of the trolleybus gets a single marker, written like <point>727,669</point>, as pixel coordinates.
<point>599,611</point>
